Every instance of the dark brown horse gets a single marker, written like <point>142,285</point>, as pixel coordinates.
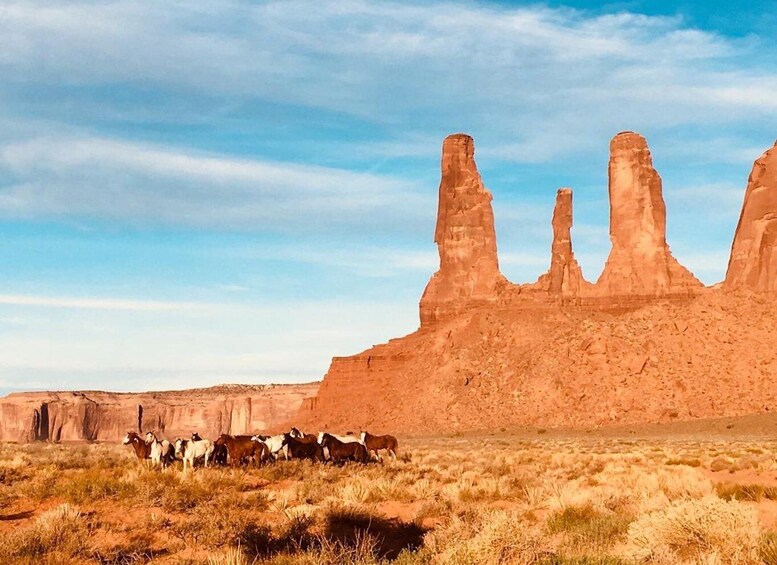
<point>341,452</point>
<point>241,449</point>
<point>142,449</point>
<point>376,443</point>
<point>299,449</point>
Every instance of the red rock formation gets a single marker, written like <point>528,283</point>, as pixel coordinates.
<point>465,236</point>
<point>753,261</point>
<point>105,416</point>
<point>640,263</point>
<point>564,276</point>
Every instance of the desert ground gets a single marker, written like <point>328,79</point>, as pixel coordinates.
<point>536,496</point>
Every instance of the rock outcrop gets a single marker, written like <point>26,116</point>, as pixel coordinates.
<point>640,263</point>
<point>646,344</point>
<point>105,416</point>
<point>564,277</point>
<point>465,237</point>
<point>753,261</point>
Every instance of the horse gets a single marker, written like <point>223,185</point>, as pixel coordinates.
<point>162,452</point>
<point>241,449</point>
<point>191,450</point>
<point>303,450</point>
<point>341,452</point>
<point>274,444</point>
<point>142,450</point>
<point>348,438</point>
<point>376,443</point>
<point>219,456</point>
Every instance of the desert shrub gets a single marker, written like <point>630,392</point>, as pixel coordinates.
<point>588,528</point>
<point>750,492</point>
<point>93,484</point>
<point>490,538</point>
<point>601,560</point>
<point>218,524</point>
<point>767,548</point>
<point>13,474</point>
<point>688,461</point>
<point>62,531</point>
<point>721,464</point>
<point>695,528</point>
<point>137,548</point>
<point>231,556</point>
<point>41,486</point>
<point>350,525</point>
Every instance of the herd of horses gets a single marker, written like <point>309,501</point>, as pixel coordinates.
<point>260,449</point>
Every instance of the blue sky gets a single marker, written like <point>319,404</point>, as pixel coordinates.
<point>203,192</point>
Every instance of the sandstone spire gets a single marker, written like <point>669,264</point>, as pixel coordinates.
<point>565,276</point>
<point>465,236</point>
<point>640,263</point>
<point>753,261</point>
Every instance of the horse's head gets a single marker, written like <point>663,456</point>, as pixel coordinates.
<point>296,433</point>
<point>180,445</point>
<point>131,437</point>
<point>286,439</point>
<point>150,437</point>
<point>363,437</point>
<point>221,440</point>
<point>321,436</point>
<point>196,436</point>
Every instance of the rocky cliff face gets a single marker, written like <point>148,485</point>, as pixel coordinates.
<point>564,277</point>
<point>640,262</point>
<point>647,343</point>
<point>465,237</point>
<point>105,416</point>
<point>753,262</point>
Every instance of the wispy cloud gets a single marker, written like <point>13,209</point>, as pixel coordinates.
<point>94,303</point>
<point>543,82</point>
<point>107,178</point>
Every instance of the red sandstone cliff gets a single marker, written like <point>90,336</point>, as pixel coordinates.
<point>753,262</point>
<point>640,262</point>
<point>465,237</point>
<point>646,344</point>
<point>106,416</point>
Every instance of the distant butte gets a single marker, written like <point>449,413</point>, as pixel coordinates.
<point>646,343</point>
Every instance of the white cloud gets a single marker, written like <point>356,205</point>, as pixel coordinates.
<point>106,178</point>
<point>543,82</point>
<point>94,303</point>
<point>86,347</point>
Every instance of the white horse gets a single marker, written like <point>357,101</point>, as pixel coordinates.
<point>191,450</point>
<point>162,452</point>
<point>274,445</point>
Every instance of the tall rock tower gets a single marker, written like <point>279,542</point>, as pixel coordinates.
<point>465,236</point>
<point>564,276</point>
<point>640,263</point>
<point>753,261</point>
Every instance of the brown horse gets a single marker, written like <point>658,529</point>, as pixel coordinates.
<point>376,443</point>
<point>341,452</point>
<point>142,449</point>
<point>241,449</point>
<point>299,449</point>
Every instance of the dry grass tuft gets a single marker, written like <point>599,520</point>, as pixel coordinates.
<point>709,528</point>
